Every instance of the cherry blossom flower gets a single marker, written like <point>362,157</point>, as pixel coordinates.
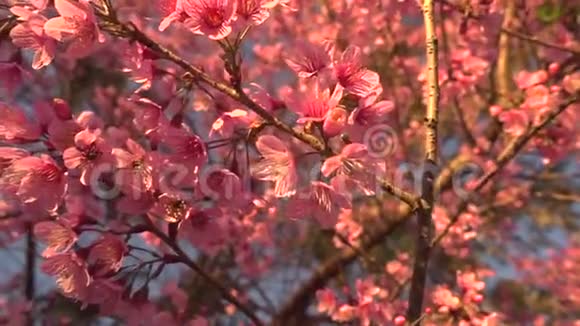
<point>351,156</point>
<point>445,299</point>
<point>106,255</point>
<point>277,165</point>
<point>105,293</point>
<point>71,274</point>
<point>43,183</point>
<point>90,152</point>
<point>15,127</point>
<point>172,10</point>
<point>206,229</point>
<point>335,122</point>
<point>321,202</point>
<point>10,154</point>
<point>515,122</point>
<point>526,79</point>
<point>13,75</point>
<point>30,34</point>
<point>315,104</point>
<point>222,185</point>
<point>212,18</point>
<point>171,209</point>
<point>326,301</point>
<point>58,236</point>
<point>310,59</point>
<point>353,76</point>
<point>76,26</point>
<point>252,11</point>
<point>369,111</point>
<point>273,3</point>
<point>186,147</point>
<point>227,123</point>
<point>138,63</point>
<point>135,173</point>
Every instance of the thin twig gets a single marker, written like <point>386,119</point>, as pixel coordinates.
<point>539,41</point>
<point>225,293</point>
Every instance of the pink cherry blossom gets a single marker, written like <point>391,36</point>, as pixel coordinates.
<point>135,173</point>
<point>369,111</point>
<point>58,236</point>
<point>43,183</point>
<point>252,11</point>
<point>76,26</point>
<point>106,255</point>
<point>515,121</point>
<point>206,230</point>
<point>310,59</point>
<point>343,163</point>
<point>326,301</point>
<point>186,147</point>
<point>71,274</point>
<point>172,11</point>
<point>527,79</point>
<point>30,34</point>
<point>316,103</point>
<point>9,155</point>
<point>228,122</point>
<point>277,165</point>
<point>89,153</point>
<point>171,209</point>
<point>212,18</point>
<point>353,76</point>
<point>321,202</point>
<point>15,126</point>
<point>335,122</point>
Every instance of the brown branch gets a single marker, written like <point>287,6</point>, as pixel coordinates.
<point>539,41</point>
<point>509,152</point>
<point>300,299</point>
<point>425,234</point>
<point>507,155</point>
<point>30,276</point>
<point>225,293</point>
<point>112,25</point>
<point>331,267</point>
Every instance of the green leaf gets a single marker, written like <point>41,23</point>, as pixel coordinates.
<point>550,11</point>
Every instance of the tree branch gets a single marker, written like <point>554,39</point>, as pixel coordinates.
<point>29,286</point>
<point>538,41</point>
<point>425,234</point>
<point>300,299</point>
<point>112,25</point>
<point>225,293</point>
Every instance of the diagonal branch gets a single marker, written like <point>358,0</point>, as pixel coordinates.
<point>539,41</point>
<point>115,27</point>
<point>112,25</point>
<point>225,293</point>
